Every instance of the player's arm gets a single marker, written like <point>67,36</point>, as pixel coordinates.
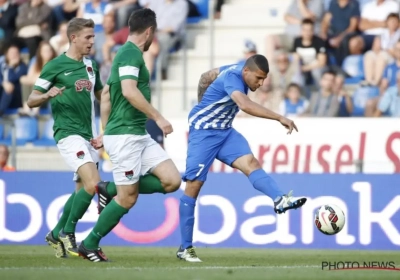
<point>246,105</point>
<point>206,80</point>
<point>137,100</point>
<point>43,89</point>
<point>234,87</point>
<point>128,71</point>
<point>105,106</point>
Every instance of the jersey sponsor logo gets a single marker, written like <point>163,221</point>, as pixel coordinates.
<point>129,174</point>
<point>90,70</point>
<point>80,154</point>
<point>67,73</point>
<point>81,84</point>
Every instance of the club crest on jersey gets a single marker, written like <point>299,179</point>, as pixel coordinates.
<point>81,84</point>
<point>90,70</point>
<point>80,154</point>
<point>129,174</point>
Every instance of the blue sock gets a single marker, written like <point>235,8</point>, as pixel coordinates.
<point>265,184</point>
<point>186,218</point>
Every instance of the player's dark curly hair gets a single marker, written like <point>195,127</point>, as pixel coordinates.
<point>256,62</point>
<point>142,19</point>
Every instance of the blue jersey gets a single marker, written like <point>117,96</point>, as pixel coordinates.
<point>217,110</point>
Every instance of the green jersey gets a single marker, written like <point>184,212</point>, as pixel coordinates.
<point>124,118</point>
<point>73,110</point>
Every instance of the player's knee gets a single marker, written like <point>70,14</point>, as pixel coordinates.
<point>247,164</point>
<point>127,200</point>
<point>90,187</point>
<point>172,184</point>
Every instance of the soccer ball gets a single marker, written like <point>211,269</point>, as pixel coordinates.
<point>329,219</point>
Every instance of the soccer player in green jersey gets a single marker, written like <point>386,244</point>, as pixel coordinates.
<point>125,109</point>
<point>71,82</point>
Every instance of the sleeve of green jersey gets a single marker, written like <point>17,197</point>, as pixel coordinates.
<point>46,78</point>
<point>129,67</point>
<point>98,84</point>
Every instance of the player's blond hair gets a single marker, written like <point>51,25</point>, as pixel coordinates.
<point>78,24</point>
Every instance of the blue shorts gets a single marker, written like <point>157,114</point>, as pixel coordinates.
<point>206,145</point>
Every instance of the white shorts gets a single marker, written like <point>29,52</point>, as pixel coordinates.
<point>132,156</point>
<point>76,151</point>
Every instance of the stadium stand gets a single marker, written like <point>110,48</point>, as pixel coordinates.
<point>34,134</point>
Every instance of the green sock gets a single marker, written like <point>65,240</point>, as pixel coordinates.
<point>81,204</point>
<point>111,189</point>
<point>64,216</point>
<point>148,184</point>
<point>108,219</point>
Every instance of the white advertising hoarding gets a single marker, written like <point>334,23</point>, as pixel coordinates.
<point>330,145</point>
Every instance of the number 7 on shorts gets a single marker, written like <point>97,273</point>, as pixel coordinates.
<point>201,165</point>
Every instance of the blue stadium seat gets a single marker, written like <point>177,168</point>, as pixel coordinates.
<point>202,7</point>
<point>11,112</point>
<point>360,97</point>
<point>24,51</point>
<point>47,137</point>
<point>353,65</point>
<point>1,131</point>
<point>26,131</point>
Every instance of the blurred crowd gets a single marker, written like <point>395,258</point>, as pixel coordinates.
<point>336,58</point>
<point>32,32</point>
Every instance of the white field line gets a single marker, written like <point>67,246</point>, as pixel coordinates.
<point>159,268</point>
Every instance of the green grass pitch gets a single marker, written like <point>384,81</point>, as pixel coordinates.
<point>133,263</point>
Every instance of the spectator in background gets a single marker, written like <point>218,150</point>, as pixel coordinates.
<point>123,9</point>
<point>11,70</point>
<point>296,13</point>
<point>33,23</point>
<point>218,8</point>
<point>104,36</point>
<point>171,21</point>
<point>340,21</point>
<point>60,41</point>
<point>382,51</point>
<point>284,73</point>
<point>294,104</point>
<point>324,103</point>
<point>8,13</point>
<point>373,19</point>
<point>95,10</point>
<point>4,155</point>
<point>310,51</point>
<point>390,73</point>
<point>44,54</point>
<point>250,49</point>
<point>389,103</point>
<point>65,10</point>
<point>119,38</point>
<point>345,100</point>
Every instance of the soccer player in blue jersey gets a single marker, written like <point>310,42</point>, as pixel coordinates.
<point>211,136</point>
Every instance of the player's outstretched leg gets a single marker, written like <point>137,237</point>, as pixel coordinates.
<point>52,236</point>
<point>148,184</point>
<point>260,180</point>
<point>108,219</point>
<point>90,177</point>
<point>186,217</point>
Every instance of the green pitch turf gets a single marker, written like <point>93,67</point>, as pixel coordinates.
<point>38,263</point>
